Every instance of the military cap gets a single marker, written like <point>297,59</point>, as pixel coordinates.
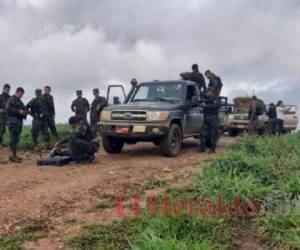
<point>20,89</point>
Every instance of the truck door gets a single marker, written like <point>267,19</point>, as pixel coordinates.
<point>194,115</point>
<point>115,94</point>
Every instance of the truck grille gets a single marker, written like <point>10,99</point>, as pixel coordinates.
<point>240,117</point>
<point>128,116</point>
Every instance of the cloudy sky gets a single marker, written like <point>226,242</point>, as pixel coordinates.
<point>76,44</point>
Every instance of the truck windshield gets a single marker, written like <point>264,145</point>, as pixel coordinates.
<point>159,92</point>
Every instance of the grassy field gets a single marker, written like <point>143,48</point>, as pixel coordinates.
<point>26,140</point>
<point>256,171</point>
<point>264,170</point>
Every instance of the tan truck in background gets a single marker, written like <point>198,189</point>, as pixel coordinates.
<point>238,120</point>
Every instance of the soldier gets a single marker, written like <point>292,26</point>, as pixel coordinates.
<point>253,117</point>
<point>16,112</point>
<point>3,100</point>
<point>96,108</point>
<point>195,76</point>
<point>50,108</point>
<point>215,82</point>
<point>280,117</point>
<point>37,109</point>
<point>81,141</point>
<point>80,106</point>
<point>272,123</point>
<point>209,133</point>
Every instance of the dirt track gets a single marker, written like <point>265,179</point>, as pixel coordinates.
<point>61,194</point>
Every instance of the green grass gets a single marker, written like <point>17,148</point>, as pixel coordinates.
<point>108,202</point>
<point>30,230</point>
<point>26,140</point>
<point>266,170</point>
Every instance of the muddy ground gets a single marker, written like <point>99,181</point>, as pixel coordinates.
<point>61,196</point>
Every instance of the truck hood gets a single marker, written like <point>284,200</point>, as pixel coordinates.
<point>153,106</point>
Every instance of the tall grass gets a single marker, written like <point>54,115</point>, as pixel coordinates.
<point>26,139</point>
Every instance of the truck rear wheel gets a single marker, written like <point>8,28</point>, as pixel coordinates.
<point>112,145</point>
<point>171,144</point>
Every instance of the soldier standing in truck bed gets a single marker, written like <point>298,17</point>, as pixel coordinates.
<point>253,116</point>
<point>197,77</point>
<point>80,106</point>
<point>209,133</point>
<point>16,112</point>
<point>49,105</point>
<point>215,82</point>
<point>96,108</point>
<point>38,111</point>
<point>3,100</point>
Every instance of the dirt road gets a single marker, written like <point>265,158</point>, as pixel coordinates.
<point>62,194</point>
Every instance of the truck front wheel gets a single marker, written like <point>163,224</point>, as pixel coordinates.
<point>171,144</point>
<point>112,145</point>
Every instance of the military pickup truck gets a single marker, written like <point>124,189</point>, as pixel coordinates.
<point>162,112</point>
<point>238,120</point>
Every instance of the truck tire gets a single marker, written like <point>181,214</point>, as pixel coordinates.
<point>112,145</point>
<point>171,144</point>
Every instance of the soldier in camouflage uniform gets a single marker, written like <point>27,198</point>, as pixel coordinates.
<point>209,133</point>
<point>80,106</point>
<point>96,108</point>
<point>81,142</point>
<point>253,116</point>
<point>49,105</point>
<point>272,123</point>
<point>197,77</point>
<point>215,82</point>
<point>3,100</point>
<point>37,109</point>
<point>16,112</point>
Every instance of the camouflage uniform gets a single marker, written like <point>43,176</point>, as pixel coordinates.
<point>81,107</point>
<point>3,100</point>
<point>50,109</point>
<point>209,133</point>
<point>40,119</point>
<point>215,84</point>
<point>253,118</point>
<point>96,108</point>
<point>14,121</point>
<point>272,123</point>
<point>197,77</point>
<point>81,146</point>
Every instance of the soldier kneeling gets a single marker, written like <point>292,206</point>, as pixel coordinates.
<point>82,142</point>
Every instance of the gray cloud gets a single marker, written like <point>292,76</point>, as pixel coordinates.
<point>251,44</point>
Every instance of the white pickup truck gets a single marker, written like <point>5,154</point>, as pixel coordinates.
<point>238,121</point>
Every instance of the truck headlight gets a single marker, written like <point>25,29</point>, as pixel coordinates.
<point>157,116</point>
<point>105,116</point>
